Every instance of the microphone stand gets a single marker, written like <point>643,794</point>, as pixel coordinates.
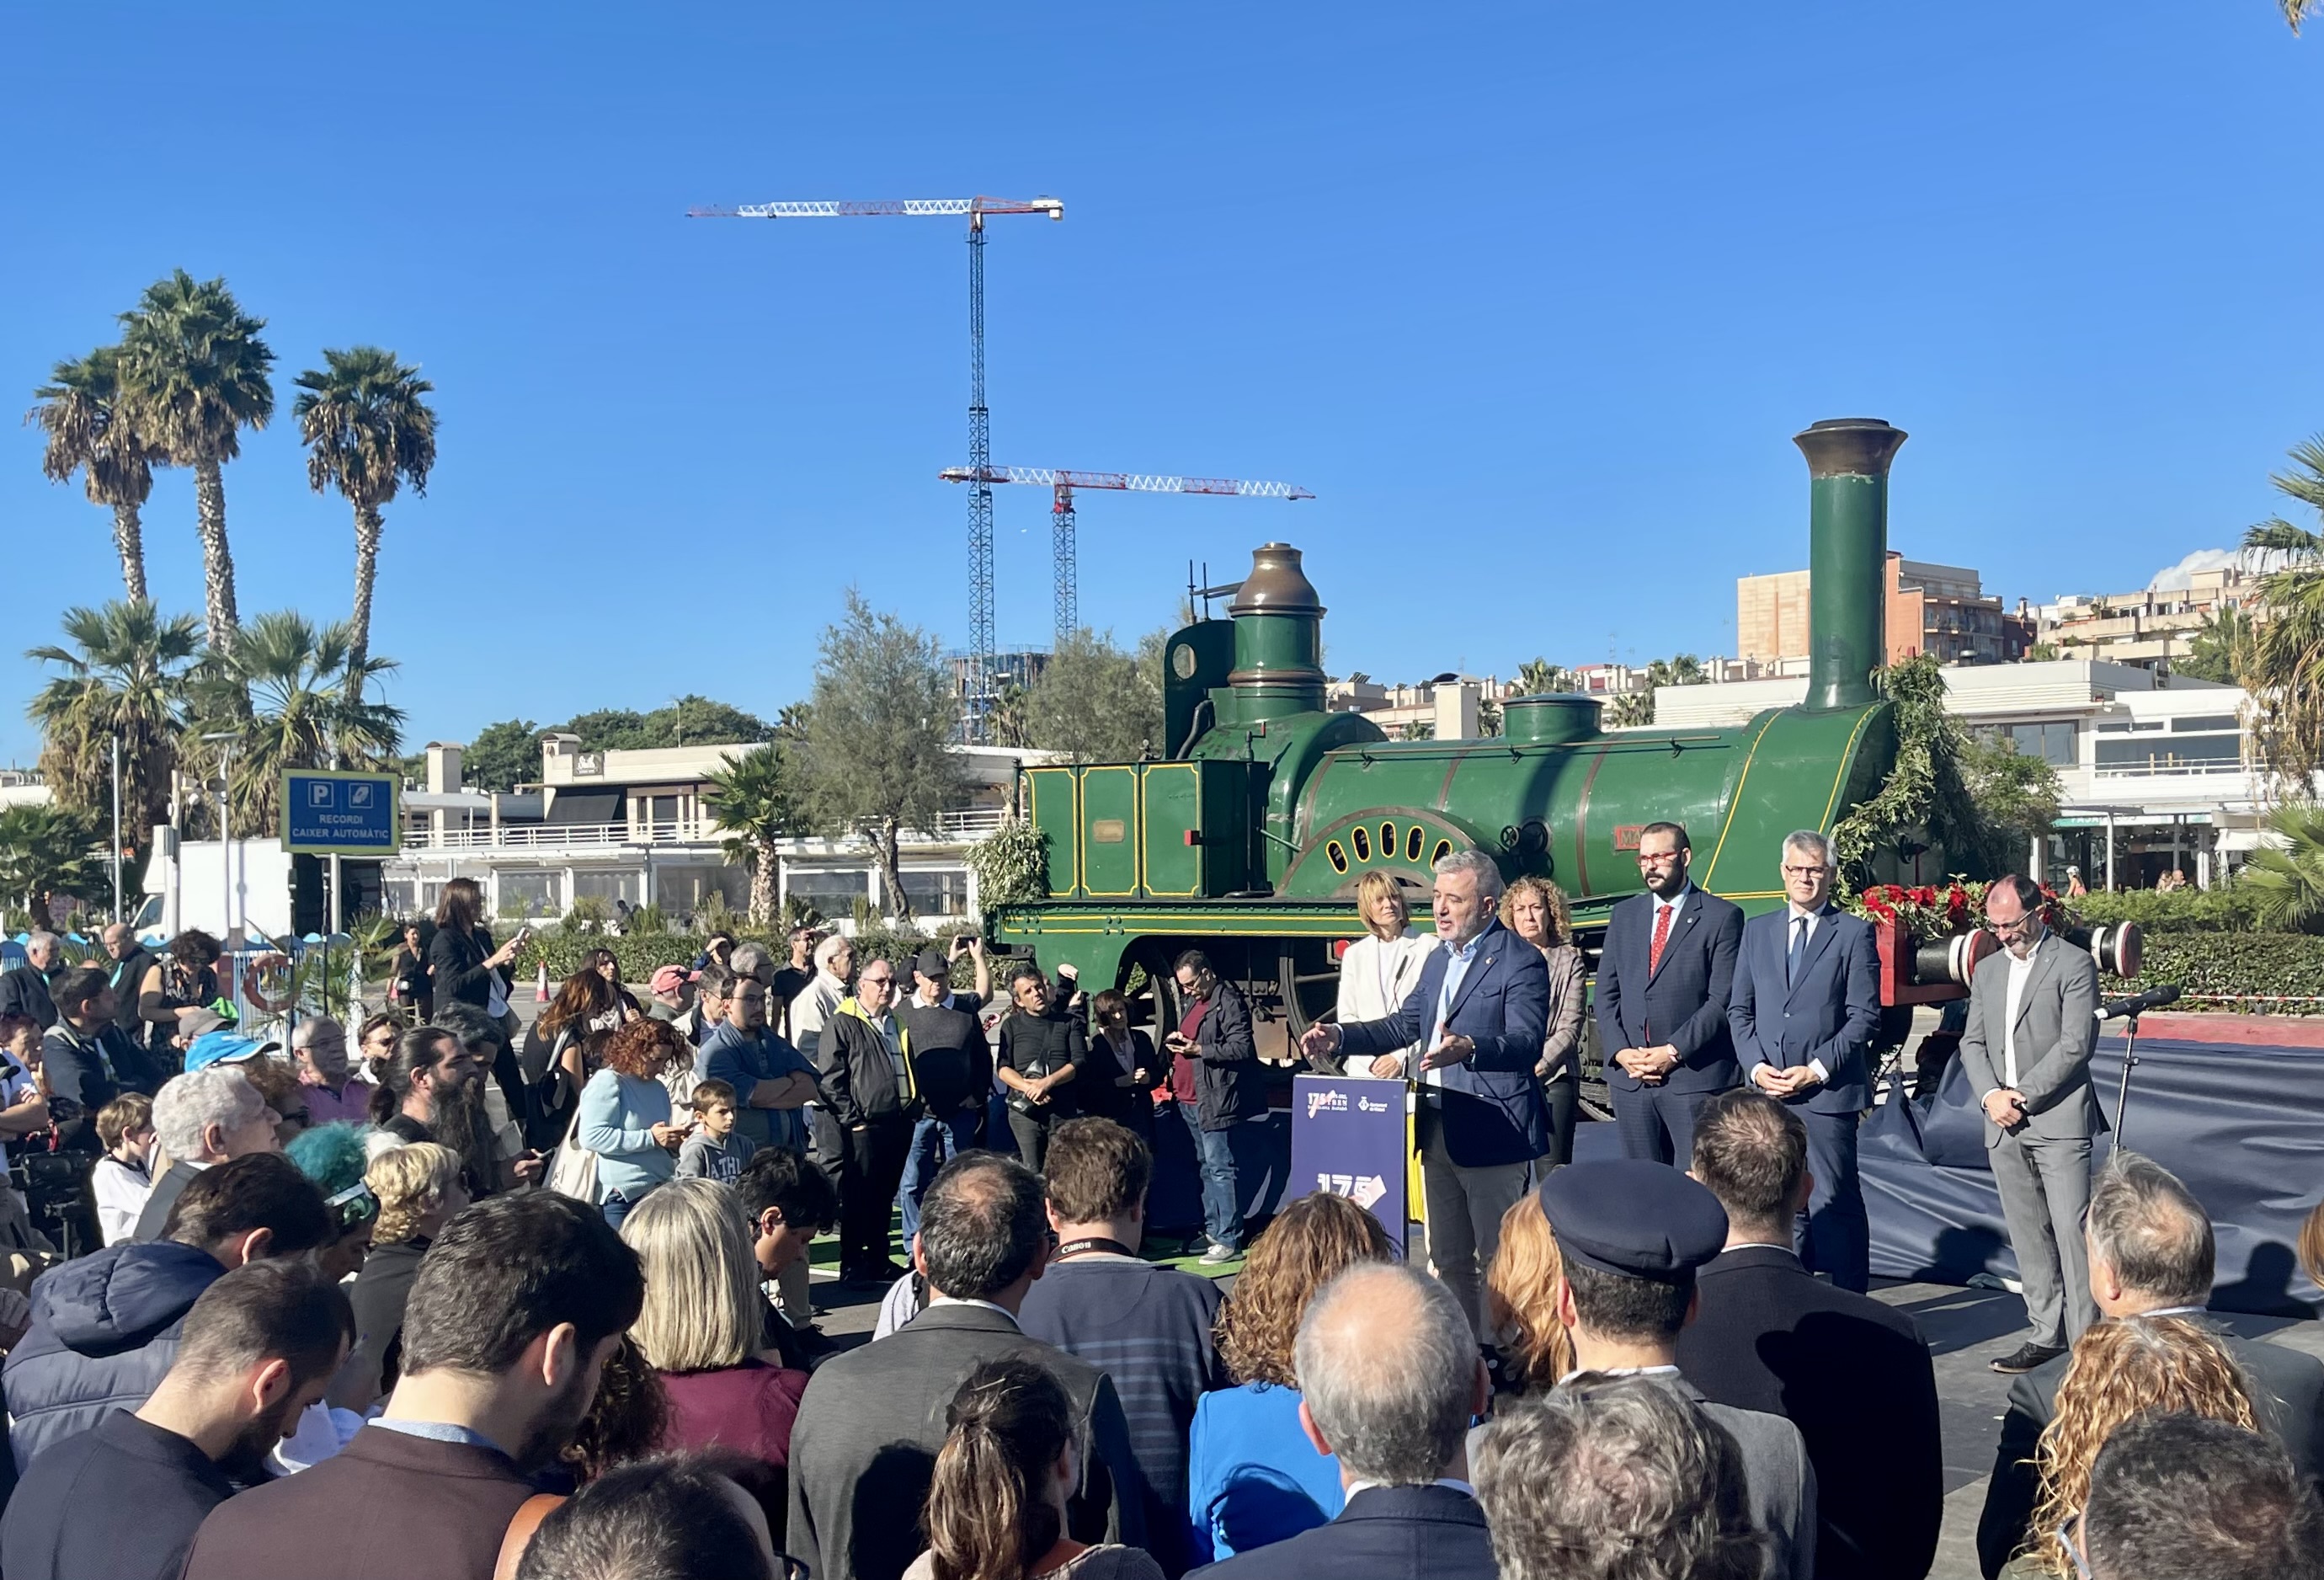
<point>2122,1095</point>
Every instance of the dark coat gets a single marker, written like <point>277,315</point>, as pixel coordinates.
<point>1040,1045</point>
<point>1682,1002</point>
<point>127,977</point>
<point>122,1499</point>
<point>1229,1085</point>
<point>856,1073</point>
<point>456,970</point>
<point>1855,1377</point>
<point>1384,1533</point>
<point>951,1059</point>
<point>1492,1109</point>
<point>1828,1012</point>
<point>379,1295</point>
<point>25,991</point>
<point>1105,1089</point>
<point>104,1329</point>
<point>872,1420</point>
<point>79,1081</point>
<point>2287,1391</point>
<point>389,1506</point>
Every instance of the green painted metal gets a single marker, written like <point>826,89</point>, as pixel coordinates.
<point>1052,805</point>
<point>1110,831</point>
<point>1847,550</point>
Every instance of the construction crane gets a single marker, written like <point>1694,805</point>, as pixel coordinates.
<point>979,422</point>
<point>1066,568</point>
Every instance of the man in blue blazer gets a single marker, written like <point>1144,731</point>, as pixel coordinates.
<point>1479,1011</point>
<point>1806,1003</point>
<point>1389,1381</point>
<point>1664,979</point>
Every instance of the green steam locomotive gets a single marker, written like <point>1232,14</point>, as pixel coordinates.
<point>1250,839</point>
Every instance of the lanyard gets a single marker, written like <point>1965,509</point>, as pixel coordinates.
<point>1094,1243</point>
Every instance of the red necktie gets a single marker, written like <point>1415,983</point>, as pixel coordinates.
<point>1662,937</point>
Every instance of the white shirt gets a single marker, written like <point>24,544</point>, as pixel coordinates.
<point>1376,977</point>
<point>2020,970</point>
<point>936,1300</point>
<point>1458,957</point>
<point>1443,1481</point>
<point>1674,905</point>
<point>1669,1371</point>
<point>1814,920</point>
<point>121,1190</point>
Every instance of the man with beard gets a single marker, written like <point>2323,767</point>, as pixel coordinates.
<point>433,1090</point>
<point>1664,978</point>
<point>259,1346</point>
<point>513,1312</point>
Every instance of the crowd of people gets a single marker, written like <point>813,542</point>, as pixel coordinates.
<point>471,1302</point>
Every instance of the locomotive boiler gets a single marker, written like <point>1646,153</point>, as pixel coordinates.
<point>1249,840</point>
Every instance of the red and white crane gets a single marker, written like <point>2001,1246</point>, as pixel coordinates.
<point>1066,572</point>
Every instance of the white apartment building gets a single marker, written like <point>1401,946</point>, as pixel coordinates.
<point>2153,768</point>
<point>635,828</point>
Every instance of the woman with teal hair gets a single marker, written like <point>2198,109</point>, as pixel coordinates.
<point>333,1156</point>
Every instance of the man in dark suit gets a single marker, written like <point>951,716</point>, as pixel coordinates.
<point>2033,1008</point>
<point>1805,1005</point>
<point>1664,981</point>
<point>2151,1253</point>
<point>863,1448</point>
<point>1479,1012</point>
<point>1631,1233</point>
<point>1853,1375</point>
<point>1389,1381</point>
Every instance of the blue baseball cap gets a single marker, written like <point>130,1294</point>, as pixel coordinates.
<point>224,1047</point>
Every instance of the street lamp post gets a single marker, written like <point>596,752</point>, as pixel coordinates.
<point>225,743</point>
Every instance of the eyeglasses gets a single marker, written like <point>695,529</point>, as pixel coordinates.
<point>1792,872</point>
<point>2007,928</point>
<point>1659,858</point>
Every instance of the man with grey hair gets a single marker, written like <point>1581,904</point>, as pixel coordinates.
<point>209,1116</point>
<point>127,962</point>
<point>1805,1006</point>
<point>2150,1249</point>
<point>318,1047</point>
<point>1611,1477</point>
<point>24,991</point>
<point>1479,1012</point>
<point>1389,1381</point>
<point>2032,1026</point>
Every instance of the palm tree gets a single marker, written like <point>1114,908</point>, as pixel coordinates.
<point>1010,719</point>
<point>2285,661</point>
<point>294,697</point>
<point>367,432</point>
<point>45,852</point>
<point>126,673</point>
<point>193,375</point>
<point>2295,12</point>
<point>2220,649</point>
<point>2287,878</point>
<point>80,411</point>
<point>756,798</point>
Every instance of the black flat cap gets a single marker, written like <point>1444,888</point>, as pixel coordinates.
<point>932,964</point>
<point>1632,1216</point>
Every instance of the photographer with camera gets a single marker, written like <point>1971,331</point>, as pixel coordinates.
<point>1043,1047</point>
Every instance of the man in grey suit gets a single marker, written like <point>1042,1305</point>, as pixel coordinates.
<point>2151,1254</point>
<point>1630,1235</point>
<point>863,1447</point>
<point>2033,1023</point>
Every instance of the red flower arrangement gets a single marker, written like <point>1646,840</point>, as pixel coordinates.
<point>1926,912</point>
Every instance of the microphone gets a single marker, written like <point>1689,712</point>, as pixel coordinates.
<point>2153,998</point>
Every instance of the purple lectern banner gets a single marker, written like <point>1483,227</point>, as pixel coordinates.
<point>1347,1137</point>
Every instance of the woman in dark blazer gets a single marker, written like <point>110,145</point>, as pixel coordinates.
<point>1118,1081</point>
<point>1043,1051</point>
<point>1215,1077</point>
<point>463,965</point>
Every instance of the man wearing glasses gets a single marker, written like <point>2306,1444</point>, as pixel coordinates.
<point>1664,981</point>
<point>1806,1006</point>
<point>2031,1026</point>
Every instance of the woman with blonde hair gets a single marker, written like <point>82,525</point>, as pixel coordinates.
<point>1535,910</point>
<point>1380,970</point>
<point>1252,1477</point>
<point>2121,1370</point>
<point>996,1505</point>
<point>1521,1298</point>
<point>419,1191</point>
<point>701,1327</point>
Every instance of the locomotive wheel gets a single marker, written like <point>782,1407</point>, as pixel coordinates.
<point>1307,979</point>
<point>1155,1008</point>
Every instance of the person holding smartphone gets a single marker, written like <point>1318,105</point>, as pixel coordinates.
<point>1043,1049</point>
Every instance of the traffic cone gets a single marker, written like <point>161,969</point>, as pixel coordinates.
<point>540,984</point>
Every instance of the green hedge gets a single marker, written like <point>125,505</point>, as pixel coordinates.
<point>2230,908</point>
<point>2256,972</point>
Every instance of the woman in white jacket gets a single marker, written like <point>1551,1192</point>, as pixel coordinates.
<point>1380,970</point>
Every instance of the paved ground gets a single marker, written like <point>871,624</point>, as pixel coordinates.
<point>1966,1329</point>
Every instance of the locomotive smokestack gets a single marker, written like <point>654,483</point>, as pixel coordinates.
<point>1848,552</point>
<point>1277,638</point>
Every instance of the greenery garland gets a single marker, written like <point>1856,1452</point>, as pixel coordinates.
<point>1011,865</point>
<point>1925,792</point>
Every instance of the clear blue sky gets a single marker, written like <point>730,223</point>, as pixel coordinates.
<point>1532,297</point>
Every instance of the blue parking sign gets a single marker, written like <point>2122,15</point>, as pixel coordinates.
<point>329,812</point>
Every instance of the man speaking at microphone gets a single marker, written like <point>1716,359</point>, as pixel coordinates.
<point>2032,1025</point>
<point>1479,1011</point>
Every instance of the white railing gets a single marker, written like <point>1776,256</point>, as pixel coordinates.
<point>967,825</point>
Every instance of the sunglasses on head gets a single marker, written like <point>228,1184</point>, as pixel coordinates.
<point>353,1206</point>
